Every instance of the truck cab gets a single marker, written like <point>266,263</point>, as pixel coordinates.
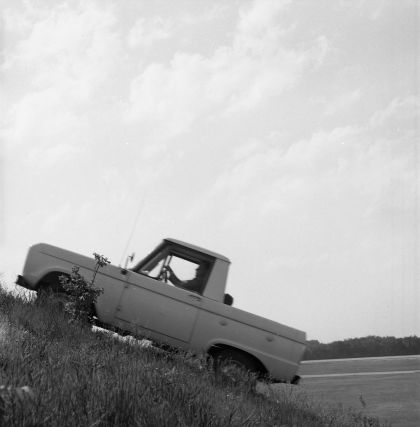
<point>208,270</point>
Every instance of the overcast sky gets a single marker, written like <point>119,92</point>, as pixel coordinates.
<point>280,134</point>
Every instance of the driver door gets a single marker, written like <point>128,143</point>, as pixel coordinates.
<point>154,308</point>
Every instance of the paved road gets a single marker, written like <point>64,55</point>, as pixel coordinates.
<point>365,365</point>
<point>386,387</point>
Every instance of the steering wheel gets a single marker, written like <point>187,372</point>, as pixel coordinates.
<point>164,274</point>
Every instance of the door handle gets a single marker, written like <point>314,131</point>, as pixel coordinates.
<point>196,297</point>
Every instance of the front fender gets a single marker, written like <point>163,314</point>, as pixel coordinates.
<point>51,278</point>
<point>45,261</point>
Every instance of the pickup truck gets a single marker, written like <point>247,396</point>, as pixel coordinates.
<point>176,296</point>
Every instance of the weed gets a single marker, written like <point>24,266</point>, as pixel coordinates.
<point>80,294</point>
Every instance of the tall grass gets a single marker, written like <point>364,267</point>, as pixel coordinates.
<point>76,377</point>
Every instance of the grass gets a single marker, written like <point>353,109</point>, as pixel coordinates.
<point>57,372</point>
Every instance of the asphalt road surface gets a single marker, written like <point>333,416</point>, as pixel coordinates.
<point>385,387</point>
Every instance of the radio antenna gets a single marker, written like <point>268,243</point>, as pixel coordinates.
<point>132,230</point>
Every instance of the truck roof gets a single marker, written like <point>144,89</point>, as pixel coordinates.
<point>197,248</point>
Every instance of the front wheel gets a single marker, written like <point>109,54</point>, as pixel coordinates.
<point>53,296</point>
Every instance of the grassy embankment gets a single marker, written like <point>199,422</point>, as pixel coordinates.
<point>83,378</point>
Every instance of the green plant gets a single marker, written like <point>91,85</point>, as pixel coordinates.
<point>81,294</point>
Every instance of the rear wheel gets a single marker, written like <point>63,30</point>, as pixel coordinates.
<point>234,366</point>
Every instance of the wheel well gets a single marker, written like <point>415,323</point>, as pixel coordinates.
<point>52,281</point>
<point>217,348</point>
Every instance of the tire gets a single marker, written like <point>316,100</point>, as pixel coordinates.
<point>51,283</point>
<point>234,366</point>
<point>50,290</point>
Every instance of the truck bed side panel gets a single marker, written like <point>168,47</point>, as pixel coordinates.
<point>278,347</point>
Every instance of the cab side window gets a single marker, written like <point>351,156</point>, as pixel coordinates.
<point>175,269</point>
<point>187,274</point>
<point>154,267</point>
<point>184,269</point>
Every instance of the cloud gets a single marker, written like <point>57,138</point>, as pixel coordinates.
<point>246,150</point>
<point>321,175</point>
<point>234,78</point>
<point>73,46</point>
<point>146,32</point>
<point>373,9</point>
<point>398,114</point>
<point>199,16</point>
<point>343,102</point>
<point>260,17</point>
<point>40,159</point>
<point>70,52</point>
<point>39,117</point>
<point>321,48</point>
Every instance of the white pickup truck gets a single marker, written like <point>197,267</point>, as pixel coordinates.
<point>176,296</point>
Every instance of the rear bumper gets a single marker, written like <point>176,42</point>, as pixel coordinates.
<point>22,282</point>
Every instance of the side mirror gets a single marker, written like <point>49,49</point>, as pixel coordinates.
<point>228,299</point>
<point>128,259</point>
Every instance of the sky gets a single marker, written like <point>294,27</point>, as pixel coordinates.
<point>281,134</point>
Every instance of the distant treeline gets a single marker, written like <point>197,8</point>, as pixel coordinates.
<point>370,346</point>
